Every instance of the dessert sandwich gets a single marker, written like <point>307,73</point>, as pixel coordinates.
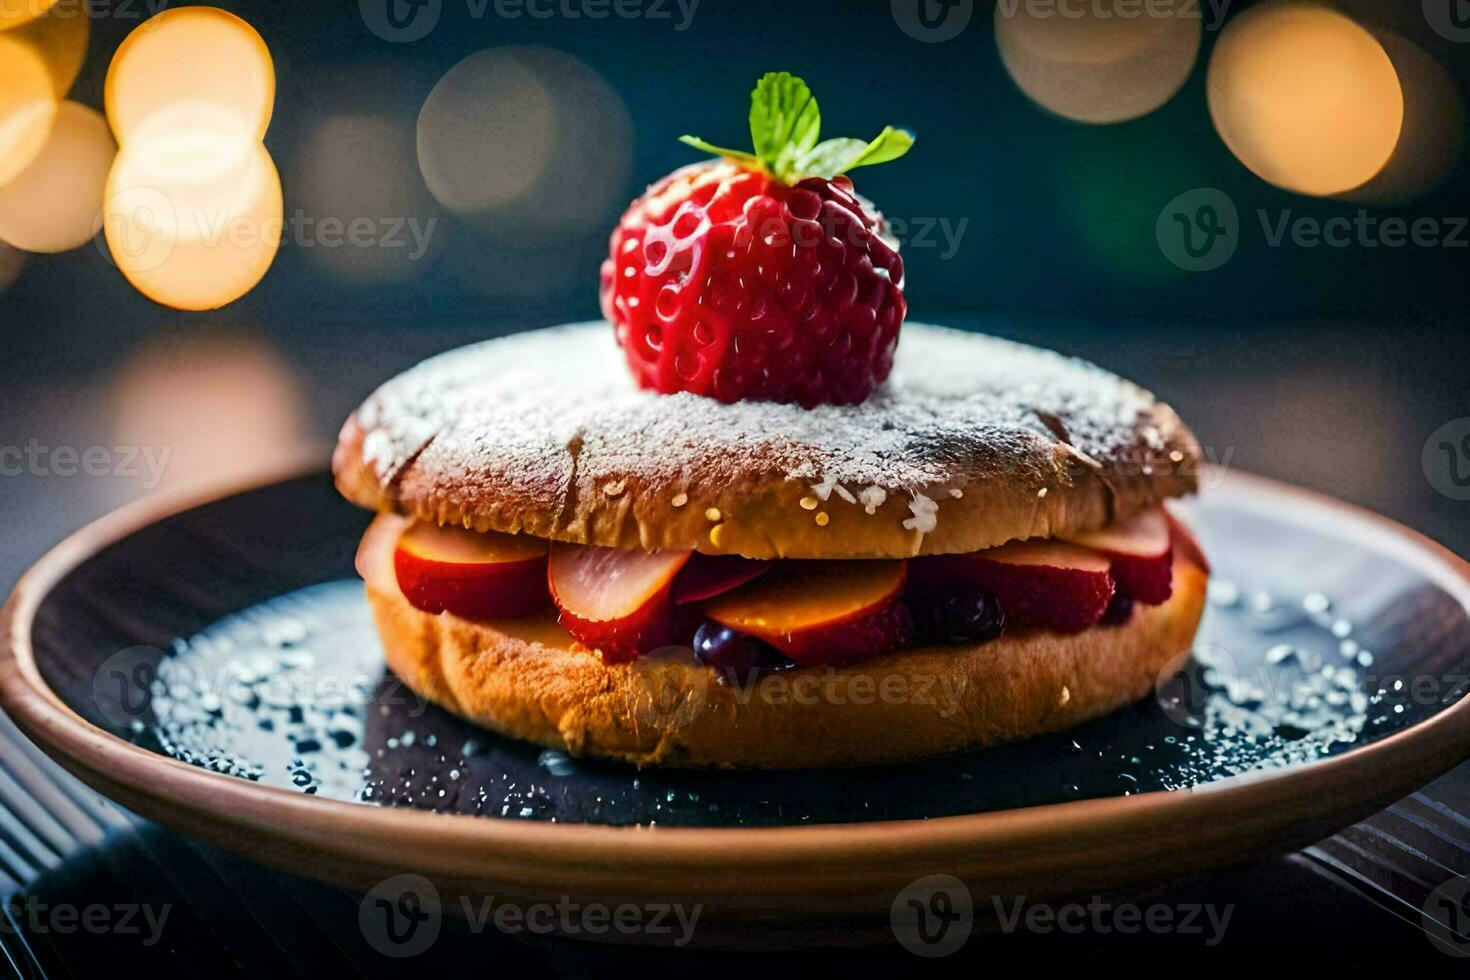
<point>755,519</point>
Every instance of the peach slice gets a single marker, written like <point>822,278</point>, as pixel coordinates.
<point>822,612</point>
<point>707,576</point>
<point>1046,583</point>
<point>1141,553</point>
<point>478,576</point>
<point>617,602</point>
<point>1186,543</point>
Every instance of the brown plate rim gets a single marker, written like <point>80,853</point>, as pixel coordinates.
<point>1215,817</point>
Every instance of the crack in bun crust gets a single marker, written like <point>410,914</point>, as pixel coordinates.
<point>972,442</point>
<point>527,679</point>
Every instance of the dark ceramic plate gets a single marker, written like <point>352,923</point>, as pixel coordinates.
<point>214,668</point>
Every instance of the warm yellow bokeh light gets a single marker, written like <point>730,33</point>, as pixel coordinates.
<point>55,204</point>
<point>27,106</point>
<point>38,64</point>
<point>207,55</point>
<point>13,13</point>
<point>1305,97</point>
<point>1106,62</point>
<point>60,39</point>
<point>193,220</point>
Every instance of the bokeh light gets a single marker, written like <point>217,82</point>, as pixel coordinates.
<point>528,143</point>
<point>13,13</point>
<point>54,204</point>
<point>224,405</point>
<point>193,214</point>
<point>1305,97</point>
<point>190,54</point>
<point>193,220</point>
<point>60,37</point>
<point>27,106</point>
<point>1432,139</point>
<point>486,133</point>
<point>359,170</point>
<point>1104,62</point>
<point>39,63</point>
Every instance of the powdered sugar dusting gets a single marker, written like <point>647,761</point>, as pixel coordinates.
<point>926,514</point>
<point>530,408</point>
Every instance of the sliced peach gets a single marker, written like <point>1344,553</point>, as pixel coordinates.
<point>1142,557</point>
<point>615,601</point>
<point>822,612</point>
<point>1186,543</point>
<point>470,574</point>
<point>707,576</point>
<point>1047,584</point>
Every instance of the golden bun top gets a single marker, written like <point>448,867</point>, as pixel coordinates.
<point>972,442</point>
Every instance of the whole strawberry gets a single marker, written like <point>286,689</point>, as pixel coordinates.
<point>761,275</point>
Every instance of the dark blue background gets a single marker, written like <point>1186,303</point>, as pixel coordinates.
<point>1325,366</point>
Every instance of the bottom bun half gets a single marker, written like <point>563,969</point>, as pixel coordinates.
<point>529,679</point>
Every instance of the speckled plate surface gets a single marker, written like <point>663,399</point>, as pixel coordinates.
<point>213,667</point>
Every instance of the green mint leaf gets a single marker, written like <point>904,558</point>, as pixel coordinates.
<point>831,157</point>
<point>887,145</point>
<point>718,151</point>
<point>837,156</point>
<point>785,122</point>
<point>786,126</point>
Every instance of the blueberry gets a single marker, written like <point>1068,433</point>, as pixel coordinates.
<point>955,615</point>
<point>1119,610</point>
<point>736,656</point>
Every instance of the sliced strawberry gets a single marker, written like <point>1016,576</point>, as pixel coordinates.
<point>822,612</point>
<point>615,601</point>
<point>470,574</point>
<point>706,576</point>
<point>1139,548</point>
<point>1042,583</point>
